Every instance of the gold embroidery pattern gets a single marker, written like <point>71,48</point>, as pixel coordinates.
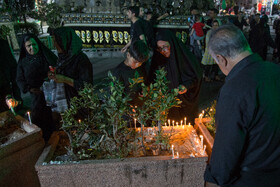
<point>95,36</point>
<point>83,36</point>
<point>107,36</point>
<point>88,36</point>
<point>126,36</point>
<point>120,37</point>
<point>101,36</point>
<point>115,36</point>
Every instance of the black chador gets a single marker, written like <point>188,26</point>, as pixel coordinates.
<point>31,72</point>
<point>182,69</point>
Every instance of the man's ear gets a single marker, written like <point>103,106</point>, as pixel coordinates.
<point>128,55</point>
<point>222,60</point>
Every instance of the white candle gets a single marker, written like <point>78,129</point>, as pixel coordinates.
<point>185,120</point>
<point>79,121</point>
<point>183,126</point>
<point>189,124</point>
<point>177,124</point>
<point>201,139</point>
<point>29,118</point>
<point>181,122</point>
<point>135,123</point>
<point>172,148</point>
<point>173,122</point>
<point>177,154</point>
<point>200,116</point>
<point>204,149</point>
<point>169,122</point>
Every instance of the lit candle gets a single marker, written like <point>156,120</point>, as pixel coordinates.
<point>189,124</point>
<point>183,126</point>
<point>181,122</point>
<point>173,122</point>
<point>135,123</point>
<point>29,118</point>
<point>177,124</point>
<point>204,149</point>
<point>177,155</point>
<point>172,148</point>
<point>169,122</point>
<point>11,106</point>
<point>79,121</point>
<point>185,120</point>
<point>201,139</point>
<point>200,116</point>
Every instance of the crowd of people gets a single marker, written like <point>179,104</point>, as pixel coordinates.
<point>246,150</point>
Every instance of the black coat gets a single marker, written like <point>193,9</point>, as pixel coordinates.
<point>246,149</point>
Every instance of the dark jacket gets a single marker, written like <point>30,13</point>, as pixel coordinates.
<point>246,149</point>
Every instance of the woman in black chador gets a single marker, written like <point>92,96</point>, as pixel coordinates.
<point>73,66</point>
<point>183,72</point>
<point>33,66</point>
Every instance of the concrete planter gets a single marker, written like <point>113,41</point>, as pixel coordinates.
<point>18,157</point>
<point>202,130</point>
<point>142,171</point>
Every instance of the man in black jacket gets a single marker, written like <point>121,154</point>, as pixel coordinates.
<point>246,150</point>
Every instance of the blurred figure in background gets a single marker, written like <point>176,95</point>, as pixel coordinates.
<point>211,69</point>
<point>260,38</point>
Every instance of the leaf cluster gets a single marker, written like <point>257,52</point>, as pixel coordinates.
<point>157,98</point>
<point>211,112</point>
<point>97,120</point>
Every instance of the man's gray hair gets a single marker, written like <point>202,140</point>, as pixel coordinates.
<point>228,41</point>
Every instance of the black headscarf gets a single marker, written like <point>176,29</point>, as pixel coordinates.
<point>182,65</point>
<point>69,42</point>
<point>45,52</point>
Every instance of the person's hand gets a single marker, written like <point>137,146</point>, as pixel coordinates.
<point>124,49</point>
<point>182,89</point>
<point>35,91</point>
<point>60,78</point>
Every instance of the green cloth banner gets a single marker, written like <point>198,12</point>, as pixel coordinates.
<point>224,5</point>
